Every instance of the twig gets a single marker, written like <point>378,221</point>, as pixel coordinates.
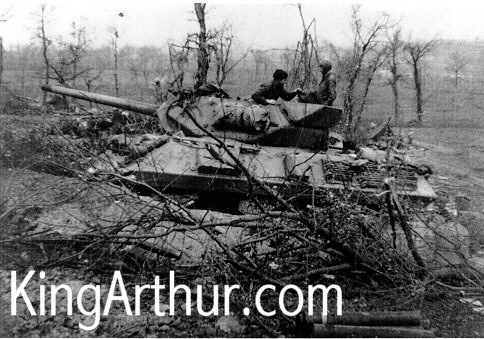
<point>392,218</point>
<point>322,270</point>
<point>461,288</point>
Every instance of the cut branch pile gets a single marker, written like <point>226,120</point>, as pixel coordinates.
<point>331,238</point>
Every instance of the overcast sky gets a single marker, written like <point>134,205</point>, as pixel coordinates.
<point>266,25</point>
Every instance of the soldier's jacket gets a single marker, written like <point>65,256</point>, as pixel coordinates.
<point>326,93</point>
<point>273,90</point>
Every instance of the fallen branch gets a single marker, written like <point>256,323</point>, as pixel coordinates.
<point>404,318</point>
<point>344,331</point>
<point>405,227</point>
<point>317,271</point>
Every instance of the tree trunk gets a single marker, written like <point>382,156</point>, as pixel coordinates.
<point>349,105</point>
<point>396,102</point>
<point>203,61</point>
<point>257,70</point>
<point>22,70</point>
<point>22,79</point>
<point>74,68</point>
<point>394,84</point>
<point>218,67</point>
<point>359,112</point>
<point>1,59</point>
<point>455,105</point>
<point>88,86</point>
<point>418,89</point>
<point>115,54</point>
<point>45,47</point>
<point>222,79</point>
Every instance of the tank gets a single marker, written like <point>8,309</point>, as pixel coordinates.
<point>217,144</point>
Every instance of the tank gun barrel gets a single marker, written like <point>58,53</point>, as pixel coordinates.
<point>130,105</point>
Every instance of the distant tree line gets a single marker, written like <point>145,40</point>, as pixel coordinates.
<point>379,51</point>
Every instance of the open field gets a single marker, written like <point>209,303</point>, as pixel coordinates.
<point>457,154</point>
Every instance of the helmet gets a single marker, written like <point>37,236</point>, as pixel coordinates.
<point>325,66</point>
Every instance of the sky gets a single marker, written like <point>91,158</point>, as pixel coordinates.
<point>257,25</point>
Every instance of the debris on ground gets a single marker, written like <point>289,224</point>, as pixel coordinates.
<point>305,213</point>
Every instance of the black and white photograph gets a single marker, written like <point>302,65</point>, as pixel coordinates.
<point>234,169</point>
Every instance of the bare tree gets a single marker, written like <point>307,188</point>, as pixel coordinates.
<point>178,62</point>
<point>416,51</point>
<point>25,54</point>
<point>41,34</point>
<point>288,58</point>
<point>78,48</point>
<point>114,45</point>
<point>3,18</point>
<point>1,59</point>
<point>199,42</point>
<point>377,58</point>
<point>306,56</point>
<point>395,46</point>
<point>260,60</point>
<point>67,66</point>
<point>222,49</point>
<point>203,60</point>
<point>145,61</point>
<point>365,42</point>
<point>457,62</point>
<point>90,78</point>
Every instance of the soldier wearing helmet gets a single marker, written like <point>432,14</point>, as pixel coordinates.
<point>326,93</point>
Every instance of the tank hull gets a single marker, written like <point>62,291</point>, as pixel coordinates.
<point>200,165</point>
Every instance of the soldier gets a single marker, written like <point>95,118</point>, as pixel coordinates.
<point>327,87</point>
<point>268,93</point>
<point>326,93</point>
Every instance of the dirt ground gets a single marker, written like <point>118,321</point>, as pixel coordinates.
<point>457,159</point>
<point>456,156</point>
